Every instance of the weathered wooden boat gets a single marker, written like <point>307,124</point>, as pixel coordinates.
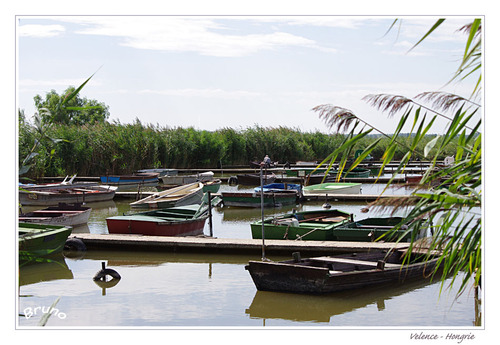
<point>314,179</point>
<point>134,179</point>
<point>249,199</point>
<point>354,173</point>
<point>277,187</point>
<point>413,179</point>
<point>256,164</point>
<point>178,196</point>
<point>254,179</point>
<point>329,274</point>
<point>160,171</point>
<point>294,172</point>
<point>212,186</point>
<point>62,214</point>
<point>332,188</point>
<point>179,180</point>
<point>186,220</point>
<point>319,225</point>
<point>41,239</point>
<point>65,194</point>
<point>379,228</point>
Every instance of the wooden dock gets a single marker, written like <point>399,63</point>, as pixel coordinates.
<point>331,197</point>
<point>226,246</point>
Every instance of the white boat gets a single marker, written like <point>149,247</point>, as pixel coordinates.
<point>160,171</point>
<point>332,188</point>
<point>69,194</point>
<point>179,196</point>
<point>62,214</point>
<point>179,180</point>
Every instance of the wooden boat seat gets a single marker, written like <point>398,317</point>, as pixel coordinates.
<point>54,211</point>
<point>374,226</point>
<point>333,219</point>
<point>352,261</point>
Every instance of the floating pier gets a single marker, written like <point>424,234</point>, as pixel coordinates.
<point>225,245</point>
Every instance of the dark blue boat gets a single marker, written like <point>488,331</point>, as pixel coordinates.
<point>276,187</point>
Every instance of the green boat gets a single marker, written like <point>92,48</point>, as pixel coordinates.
<point>271,199</point>
<point>41,239</point>
<point>212,186</point>
<point>332,188</point>
<point>355,173</point>
<point>317,225</point>
<point>371,229</point>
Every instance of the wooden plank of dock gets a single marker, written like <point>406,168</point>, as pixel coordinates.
<point>225,245</point>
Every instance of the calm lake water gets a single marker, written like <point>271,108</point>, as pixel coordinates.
<point>190,290</point>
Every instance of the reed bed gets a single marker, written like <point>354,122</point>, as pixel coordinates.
<point>115,148</point>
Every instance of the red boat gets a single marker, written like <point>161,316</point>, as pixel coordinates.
<point>176,221</point>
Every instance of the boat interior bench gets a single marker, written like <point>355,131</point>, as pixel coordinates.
<point>353,262</point>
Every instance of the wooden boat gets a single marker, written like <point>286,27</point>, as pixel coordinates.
<point>256,164</point>
<point>277,187</point>
<point>41,239</point>
<point>212,186</point>
<point>62,214</point>
<point>160,171</point>
<point>248,199</point>
<point>254,179</point>
<point>329,274</point>
<point>138,178</point>
<point>355,173</point>
<point>318,179</point>
<point>294,172</point>
<point>332,188</point>
<point>371,229</point>
<point>175,221</point>
<point>413,179</point>
<point>65,194</point>
<point>178,196</point>
<point>179,180</point>
<point>319,225</point>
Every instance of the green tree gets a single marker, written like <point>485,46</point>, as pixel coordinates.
<point>44,120</point>
<point>452,204</point>
<point>77,110</point>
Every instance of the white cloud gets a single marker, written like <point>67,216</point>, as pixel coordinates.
<point>203,35</point>
<point>41,31</point>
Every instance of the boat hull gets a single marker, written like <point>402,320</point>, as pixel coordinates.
<point>153,227</point>
<point>254,199</point>
<point>319,278</point>
<point>278,187</point>
<point>179,180</point>
<point>212,186</point>
<point>179,196</point>
<point>309,226</point>
<point>42,240</point>
<point>254,179</point>
<point>372,229</point>
<point>58,215</point>
<point>52,197</point>
<point>332,188</point>
<point>141,178</point>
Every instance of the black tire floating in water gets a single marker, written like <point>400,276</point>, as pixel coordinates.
<point>75,244</point>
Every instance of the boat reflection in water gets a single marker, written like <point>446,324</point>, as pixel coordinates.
<point>49,270</point>
<point>321,308</point>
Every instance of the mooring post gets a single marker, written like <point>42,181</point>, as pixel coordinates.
<point>262,213</point>
<point>210,226</point>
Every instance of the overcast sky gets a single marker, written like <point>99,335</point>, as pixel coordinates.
<point>235,71</point>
